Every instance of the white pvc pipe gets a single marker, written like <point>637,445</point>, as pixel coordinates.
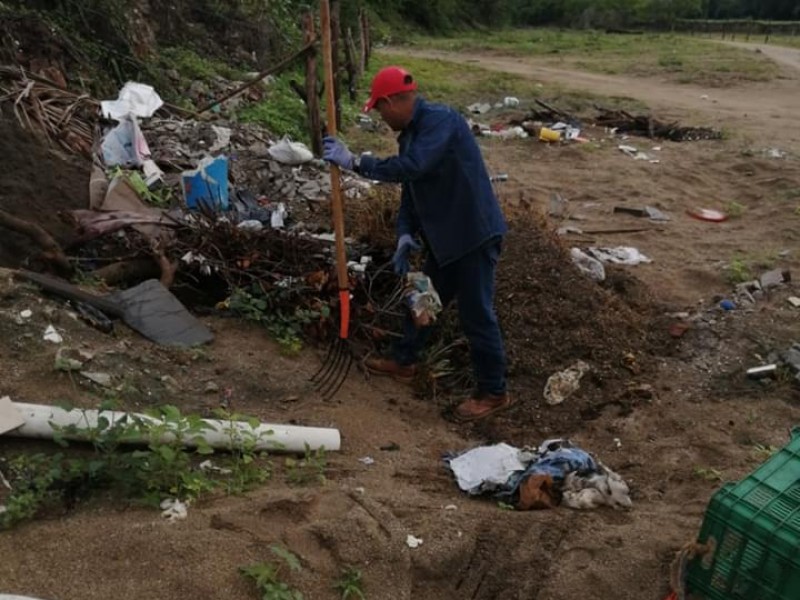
<point>41,421</point>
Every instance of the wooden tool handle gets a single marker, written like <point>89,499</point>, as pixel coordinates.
<point>337,207</point>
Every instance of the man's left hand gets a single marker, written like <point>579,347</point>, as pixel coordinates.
<point>334,151</point>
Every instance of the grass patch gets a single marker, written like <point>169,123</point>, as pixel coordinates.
<point>683,58</point>
<point>460,85</point>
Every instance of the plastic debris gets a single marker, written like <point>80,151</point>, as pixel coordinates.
<point>563,384</point>
<point>174,510</point>
<point>278,216</point>
<point>125,144</point>
<point>762,372</point>
<point>51,335</point>
<point>727,305</point>
<point>486,467</point>
<point>558,205</point>
<point>223,138</point>
<point>706,214</point>
<point>207,185</point>
<point>137,99</point>
<point>10,417</point>
<point>367,460</point>
<point>250,225</point>
<point>775,153</point>
<point>207,465</point>
<point>413,542</point>
<point>510,102</point>
<point>422,298</point>
<point>479,108</point>
<point>290,153</point>
<point>451,507</point>
<point>621,255</point>
<point>589,266</point>
<point>26,314</point>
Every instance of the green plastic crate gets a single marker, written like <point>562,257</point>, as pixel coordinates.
<point>753,528</point>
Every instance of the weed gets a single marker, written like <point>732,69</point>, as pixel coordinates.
<point>310,468</point>
<point>282,111</point>
<point>735,210</point>
<point>708,473</point>
<point>261,306</point>
<point>762,453</point>
<point>505,506</point>
<point>191,65</point>
<point>739,271</point>
<point>165,467</point>
<point>350,585</point>
<point>268,576</point>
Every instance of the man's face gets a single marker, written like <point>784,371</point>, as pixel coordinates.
<point>394,111</point>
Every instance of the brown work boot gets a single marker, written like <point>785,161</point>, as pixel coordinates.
<point>387,367</point>
<point>482,406</point>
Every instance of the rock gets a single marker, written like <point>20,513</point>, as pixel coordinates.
<point>67,360</point>
<point>170,382</point>
<point>173,75</point>
<point>774,278</point>
<point>211,387</point>
<point>101,379</point>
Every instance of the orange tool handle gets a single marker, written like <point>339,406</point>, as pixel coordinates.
<point>337,206</point>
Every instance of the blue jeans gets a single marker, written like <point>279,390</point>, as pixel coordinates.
<point>469,281</point>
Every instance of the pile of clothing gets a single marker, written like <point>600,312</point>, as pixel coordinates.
<point>557,472</point>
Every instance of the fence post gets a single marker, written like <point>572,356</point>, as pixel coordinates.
<point>335,37</point>
<point>312,99</point>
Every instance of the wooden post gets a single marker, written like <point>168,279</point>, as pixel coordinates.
<point>311,97</point>
<point>362,43</point>
<point>335,38</point>
<point>350,64</point>
<point>366,42</point>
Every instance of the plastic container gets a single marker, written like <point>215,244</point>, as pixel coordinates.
<point>549,135</point>
<point>207,185</point>
<point>752,530</point>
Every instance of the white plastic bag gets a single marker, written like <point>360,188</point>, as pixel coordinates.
<point>290,153</point>
<point>591,267</point>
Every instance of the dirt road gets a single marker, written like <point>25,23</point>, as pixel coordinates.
<point>763,110</point>
<point>785,56</point>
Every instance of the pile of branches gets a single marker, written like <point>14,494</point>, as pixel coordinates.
<point>646,125</point>
<point>62,117</point>
<point>294,272</point>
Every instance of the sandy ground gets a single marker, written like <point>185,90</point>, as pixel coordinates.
<point>703,415</point>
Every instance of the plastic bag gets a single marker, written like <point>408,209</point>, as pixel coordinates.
<point>290,153</point>
<point>591,267</point>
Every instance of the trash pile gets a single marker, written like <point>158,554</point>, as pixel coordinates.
<point>550,124</point>
<point>555,473</point>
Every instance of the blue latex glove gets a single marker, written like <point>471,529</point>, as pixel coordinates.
<point>337,153</point>
<point>405,245</point>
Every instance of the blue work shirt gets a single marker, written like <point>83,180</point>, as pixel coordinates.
<point>447,196</point>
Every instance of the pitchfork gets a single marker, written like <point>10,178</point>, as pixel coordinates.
<point>339,359</point>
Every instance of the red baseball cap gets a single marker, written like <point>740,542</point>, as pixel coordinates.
<point>388,82</point>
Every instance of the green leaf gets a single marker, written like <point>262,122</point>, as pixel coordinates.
<point>290,559</point>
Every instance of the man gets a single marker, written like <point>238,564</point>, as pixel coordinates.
<point>448,202</point>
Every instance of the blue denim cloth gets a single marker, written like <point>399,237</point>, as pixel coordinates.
<point>469,281</point>
<point>557,460</point>
<point>447,197</point>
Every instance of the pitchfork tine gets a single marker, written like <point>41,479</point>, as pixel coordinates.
<point>340,367</point>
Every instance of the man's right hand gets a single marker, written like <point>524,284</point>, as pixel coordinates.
<point>400,260</point>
